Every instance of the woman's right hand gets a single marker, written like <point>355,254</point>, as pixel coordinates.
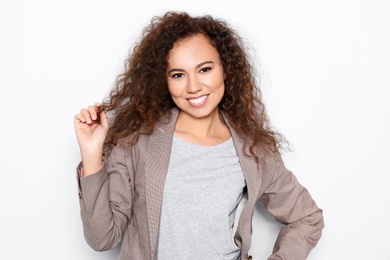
<point>91,126</point>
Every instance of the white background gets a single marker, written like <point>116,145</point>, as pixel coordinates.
<point>325,77</point>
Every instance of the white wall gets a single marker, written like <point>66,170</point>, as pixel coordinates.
<point>325,68</point>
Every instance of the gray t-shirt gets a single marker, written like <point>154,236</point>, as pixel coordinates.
<point>203,187</point>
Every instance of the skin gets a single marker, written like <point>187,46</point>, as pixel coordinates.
<point>196,83</point>
<point>91,126</point>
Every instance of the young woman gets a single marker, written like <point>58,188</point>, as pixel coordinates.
<point>188,152</point>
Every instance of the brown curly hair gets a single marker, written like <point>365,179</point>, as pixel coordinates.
<point>141,98</point>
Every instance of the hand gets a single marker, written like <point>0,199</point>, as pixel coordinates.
<point>91,126</point>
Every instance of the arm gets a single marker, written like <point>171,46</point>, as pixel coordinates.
<point>292,205</point>
<point>104,191</point>
<point>105,202</point>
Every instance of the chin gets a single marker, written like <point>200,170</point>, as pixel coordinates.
<point>201,114</point>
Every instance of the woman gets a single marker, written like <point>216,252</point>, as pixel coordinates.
<point>188,153</point>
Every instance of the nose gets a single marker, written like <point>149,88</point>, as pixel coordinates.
<point>193,85</point>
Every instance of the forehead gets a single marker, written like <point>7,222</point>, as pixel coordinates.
<point>197,48</point>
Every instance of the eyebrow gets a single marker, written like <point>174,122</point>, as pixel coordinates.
<point>197,66</point>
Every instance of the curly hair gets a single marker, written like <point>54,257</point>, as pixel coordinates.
<point>141,98</point>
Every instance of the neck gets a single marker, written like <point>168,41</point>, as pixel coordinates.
<point>208,130</point>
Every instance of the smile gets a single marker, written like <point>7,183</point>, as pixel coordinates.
<point>198,101</point>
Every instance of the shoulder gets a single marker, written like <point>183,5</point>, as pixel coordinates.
<point>160,137</point>
<point>270,162</point>
<point>163,126</point>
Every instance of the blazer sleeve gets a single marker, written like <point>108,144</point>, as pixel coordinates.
<point>292,205</point>
<point>106,201</point>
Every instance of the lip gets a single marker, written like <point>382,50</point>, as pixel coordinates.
<point>198,101</point>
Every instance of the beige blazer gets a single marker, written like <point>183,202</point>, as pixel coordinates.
<point>123,199</point>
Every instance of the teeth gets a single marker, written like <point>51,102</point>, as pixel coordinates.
<point>197,100</point>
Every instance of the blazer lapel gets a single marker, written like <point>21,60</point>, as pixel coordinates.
<point>252,171</point>
<point>158,155</point>
<point>253,177</point>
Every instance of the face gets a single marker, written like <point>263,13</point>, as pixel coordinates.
<point>195,77</point>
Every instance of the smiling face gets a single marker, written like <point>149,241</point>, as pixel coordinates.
<point>195,77</point>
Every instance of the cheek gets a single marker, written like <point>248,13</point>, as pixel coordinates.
<point>215,80</point>
<point>217,83</point>
<point>175,89</point>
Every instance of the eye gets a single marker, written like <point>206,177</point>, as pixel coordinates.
<point>177,75</point>
<point>205,69</point>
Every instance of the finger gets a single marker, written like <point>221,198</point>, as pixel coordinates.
<point>86,114</point>
<point>99,107</point>
<point>92,110</point>
<point>104,119</point>
<point>79,118</point>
